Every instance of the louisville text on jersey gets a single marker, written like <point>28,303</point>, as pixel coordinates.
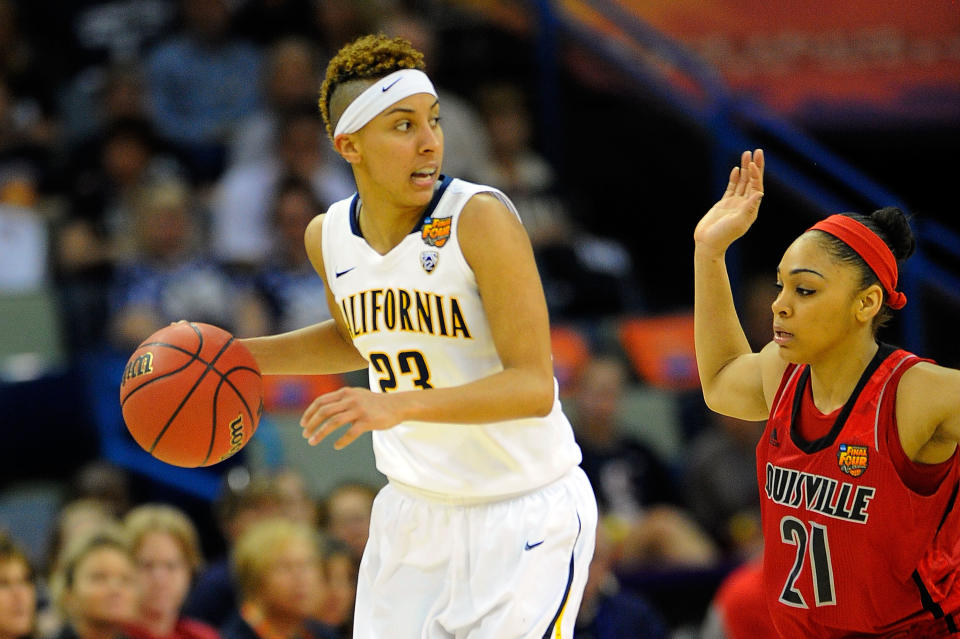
<point>816,493</point>
<point>399,310</point>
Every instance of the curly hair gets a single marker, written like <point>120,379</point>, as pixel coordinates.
<point>367,58</point>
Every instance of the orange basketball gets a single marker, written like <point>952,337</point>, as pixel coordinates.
<point>191,394</point>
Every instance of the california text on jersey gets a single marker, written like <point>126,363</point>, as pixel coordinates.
<point>390,310</point>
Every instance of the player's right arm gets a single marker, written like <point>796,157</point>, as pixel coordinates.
<point>735,380</point>
<point>315,350</point>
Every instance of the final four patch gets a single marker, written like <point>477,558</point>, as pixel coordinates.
<point>852,459</point>
<point>428,260</point>
<point>436,230</point>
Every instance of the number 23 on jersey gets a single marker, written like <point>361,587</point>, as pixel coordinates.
<point>406,363</point>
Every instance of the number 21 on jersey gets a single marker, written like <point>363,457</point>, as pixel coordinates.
<point>817,547</point>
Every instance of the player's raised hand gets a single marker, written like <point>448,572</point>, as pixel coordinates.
<point>733,214</point>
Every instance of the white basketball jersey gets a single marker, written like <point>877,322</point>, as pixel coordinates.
<point>416,316</point>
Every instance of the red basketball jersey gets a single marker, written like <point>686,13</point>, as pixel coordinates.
<point>849,549</point>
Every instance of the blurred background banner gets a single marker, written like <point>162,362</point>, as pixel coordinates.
<point>840,62</point>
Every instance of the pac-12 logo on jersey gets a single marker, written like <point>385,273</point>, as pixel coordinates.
<point>852,459</point>
<point>436,230</point>
<point>428,260</point>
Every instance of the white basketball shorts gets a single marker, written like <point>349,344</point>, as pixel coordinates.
<point>507,569</point>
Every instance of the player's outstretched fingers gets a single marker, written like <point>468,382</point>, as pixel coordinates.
<point>350,436</point>
<point>341,415</point>
<point>326,416</point>
<point>732,182</point>
<point>314,415</point>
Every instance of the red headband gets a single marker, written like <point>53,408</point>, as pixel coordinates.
<point>871,248</point>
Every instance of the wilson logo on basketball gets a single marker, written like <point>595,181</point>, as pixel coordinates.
<point>236,437</point>
<point>852,459</point>
<point>142,365</point>
<point>436,231</point>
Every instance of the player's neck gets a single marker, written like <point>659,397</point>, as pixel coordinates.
<point>383,224</point>
<point>834,377</point>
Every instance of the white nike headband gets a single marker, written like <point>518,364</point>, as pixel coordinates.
<point>380,95</point>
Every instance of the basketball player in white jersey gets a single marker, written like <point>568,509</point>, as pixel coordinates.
<point>486,527</point>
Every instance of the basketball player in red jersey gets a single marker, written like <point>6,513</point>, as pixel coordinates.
<point>858,467</point>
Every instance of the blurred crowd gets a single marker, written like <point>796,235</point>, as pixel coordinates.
<point>284,561</point>
<point>116,568</point>
<point>160,160</point>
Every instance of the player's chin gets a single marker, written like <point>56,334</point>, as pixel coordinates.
<point>791,354</point>
<point>418,196</point>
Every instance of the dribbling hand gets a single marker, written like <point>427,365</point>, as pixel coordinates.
<point>736,211</point>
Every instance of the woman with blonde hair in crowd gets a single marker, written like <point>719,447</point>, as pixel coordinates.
<point>95,586</point>
<point>166,549</point>
<point>277,564</point>
<point>18,592</point>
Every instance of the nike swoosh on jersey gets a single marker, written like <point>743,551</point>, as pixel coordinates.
<point>339,273</point>
<point>529,546</point>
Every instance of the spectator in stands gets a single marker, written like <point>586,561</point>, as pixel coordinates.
<point>169,279</point>
<point>286,287</point>
<point>79,39</point>
<point>104,191</point>
<point>28,81</point>
<point>610,612</point>
<point>213,596</point>
<point>294,496</point>
<point>516,167</point>
<point>291,76</point>
<point>279,573</point>
<point>77,518</point>
<point>18,592</point>
<point>720,482</point>
<point>95,586</point>
<point>584,274</point>
<point>105,483</point>
<point>346,514</point>
<point>243,198</point>
<point>635,489</point>
<point>118,94</point>
<point>200,85</point>
<point>98,230</point>
<point>337,605</point>
<point>24,160</point>
<point>721,475</point>
<point>337,23</point>
<point>167,551</point>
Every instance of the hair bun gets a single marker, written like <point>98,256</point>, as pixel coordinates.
<point>895,230</point>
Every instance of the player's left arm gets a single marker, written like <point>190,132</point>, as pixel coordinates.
<point>928,412</point>
<point>498,251</point>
